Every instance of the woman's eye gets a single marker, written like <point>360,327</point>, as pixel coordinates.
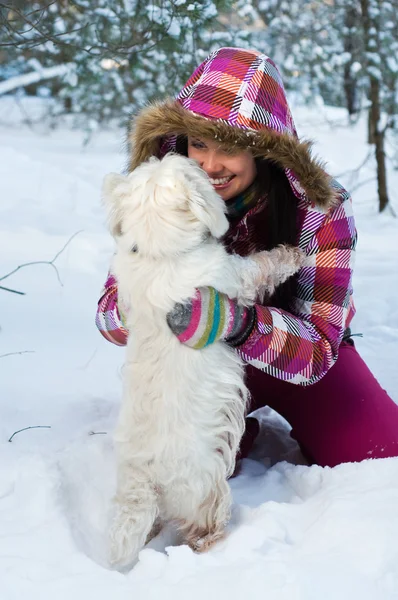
<point>196,144</point>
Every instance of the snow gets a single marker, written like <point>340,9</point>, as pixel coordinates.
<point>40,74</point>
<point>297,532</point>
<point>175,28</point>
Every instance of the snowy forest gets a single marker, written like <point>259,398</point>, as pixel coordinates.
<point>73,73</point>
<point>99,60</point>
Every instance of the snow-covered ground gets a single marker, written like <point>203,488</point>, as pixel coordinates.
<point>297,533</point>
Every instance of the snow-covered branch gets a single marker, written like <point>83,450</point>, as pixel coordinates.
<point>42,74</point>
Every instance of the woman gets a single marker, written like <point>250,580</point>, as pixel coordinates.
<point>232,117</point>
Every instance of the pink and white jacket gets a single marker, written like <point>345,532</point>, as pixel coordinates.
<point>237,97</point>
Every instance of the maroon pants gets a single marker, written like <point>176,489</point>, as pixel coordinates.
<point>345,417</point>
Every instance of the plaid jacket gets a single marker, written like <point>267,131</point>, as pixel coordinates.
<point>241,91</point>
<point>300,345</point>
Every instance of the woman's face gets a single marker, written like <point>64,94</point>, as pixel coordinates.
<point>230,174</point>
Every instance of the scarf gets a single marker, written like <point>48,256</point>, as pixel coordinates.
<point>240,205</point>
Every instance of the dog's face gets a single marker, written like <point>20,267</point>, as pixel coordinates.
<point>164,207</point>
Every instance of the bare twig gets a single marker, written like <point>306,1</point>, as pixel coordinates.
<point>10,290</point>
<point>41,9</point>
<point>361,183</point>
<point>390,208</point>
<point>12,353</point>
<point>33,427</point>
<point>21,107</point>
<point>89,360</point>
<point>359,167</point>
<point>41,262</point>
<point>137,41</point>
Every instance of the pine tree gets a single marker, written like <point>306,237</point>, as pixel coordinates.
<point>348,21</point>
<point>120,53</point>
<point>302,38</point>
<point>379,22</point>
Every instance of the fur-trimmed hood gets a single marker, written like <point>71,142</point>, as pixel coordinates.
<point>237,98</point>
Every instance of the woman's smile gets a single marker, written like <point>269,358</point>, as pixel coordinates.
<point>221,182</point>
<point>230,174</point>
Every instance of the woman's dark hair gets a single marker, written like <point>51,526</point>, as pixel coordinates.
<point>277,223</point>
<point>182,145</point>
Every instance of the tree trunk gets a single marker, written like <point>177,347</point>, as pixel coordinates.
<point>378,137</point>
<point>381,172</point>
<point>371,127</point>
<point>350,83</point>
<point>375,133</point>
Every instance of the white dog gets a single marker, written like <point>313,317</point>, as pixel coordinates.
<point>182,414</point>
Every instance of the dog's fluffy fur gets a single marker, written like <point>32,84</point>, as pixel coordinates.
<point>182,414</point>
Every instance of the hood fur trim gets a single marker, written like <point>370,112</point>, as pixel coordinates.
<point>161,120</point>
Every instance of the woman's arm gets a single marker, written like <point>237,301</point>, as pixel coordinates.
<point>109,318</point>
<point>300,346</point>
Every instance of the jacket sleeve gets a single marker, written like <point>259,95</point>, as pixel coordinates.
<point>301,345</point>
<point>109,318</point>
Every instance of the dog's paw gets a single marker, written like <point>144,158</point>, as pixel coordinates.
<point>289,258</point>
<point>156,529</point>
<point>123,543</point>
<point>275,267</point>
<point>205,542</point>
<point>295,257</point>
<point>286,261</point>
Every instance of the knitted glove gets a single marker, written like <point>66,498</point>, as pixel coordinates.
<point>209,317</point>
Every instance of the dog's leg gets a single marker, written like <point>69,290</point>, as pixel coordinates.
<point>263,271</point>
<point>278,264</point>
<point>209,520</point>
<point>135,512</point>
<point>156,529</point>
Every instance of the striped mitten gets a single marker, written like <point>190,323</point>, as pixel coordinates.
<point>209,317</point>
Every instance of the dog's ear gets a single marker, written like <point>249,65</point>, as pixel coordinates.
<point>114,189</point>
<point>206,204</point>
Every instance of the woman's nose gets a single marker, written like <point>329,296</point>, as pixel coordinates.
<point>211,163</point>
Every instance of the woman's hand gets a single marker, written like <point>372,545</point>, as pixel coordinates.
<point>209,317</point>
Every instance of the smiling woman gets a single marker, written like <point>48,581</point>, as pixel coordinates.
<point>230,174</point>
<point>233,118</point>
